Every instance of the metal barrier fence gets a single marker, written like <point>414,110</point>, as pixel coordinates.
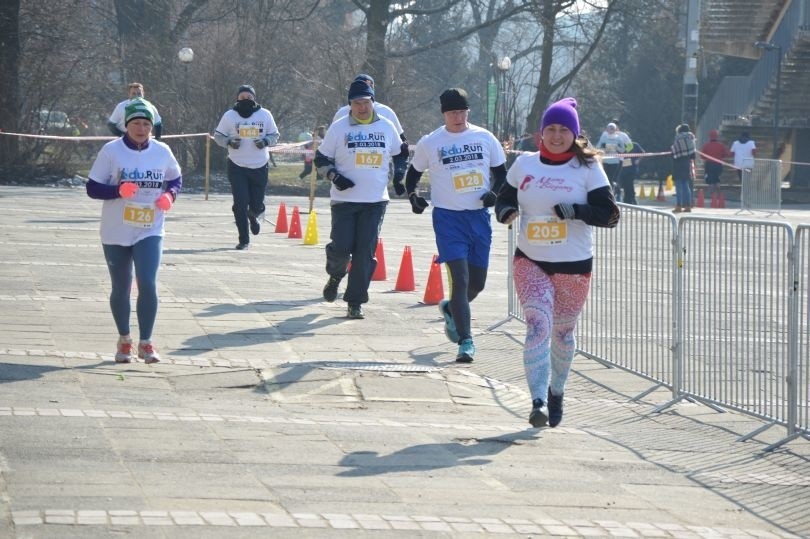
<point>707,308</point>
<point>762,185</point>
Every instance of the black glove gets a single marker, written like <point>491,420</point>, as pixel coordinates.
<point>234,142</point>
<point>260,143</point>
<point>489,198</point>
<point>565,211</point>
<point>341,182</point>
<point>399,187</point>
<point>505,213</point>
<point>418,204</point>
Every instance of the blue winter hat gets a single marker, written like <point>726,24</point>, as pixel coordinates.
<point>364,77</point>
<point>563,112</point>
<point>360,90</point>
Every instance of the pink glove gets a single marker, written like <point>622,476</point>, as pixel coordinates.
<point>127,189</point>
<point>164,202</point>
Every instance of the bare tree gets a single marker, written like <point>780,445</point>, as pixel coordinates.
<point>9,77</point>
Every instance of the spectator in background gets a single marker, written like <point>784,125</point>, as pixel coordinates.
<point>247,130</point>
<point>116,122</point>
<point>629,173</point>
<point>743,150</point>
<point>613,141</point>
<point>713,153</point>
<point>683,157</point>
<point>309,154</point>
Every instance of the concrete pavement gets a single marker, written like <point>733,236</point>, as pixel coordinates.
<point>273,414</point>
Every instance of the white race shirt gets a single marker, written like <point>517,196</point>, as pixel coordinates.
<point>543,236</point>
<point>459,165</point>
<point>126,221</point>
<point>258,125</point>
<point>117,116</point>
<point>362,153</point>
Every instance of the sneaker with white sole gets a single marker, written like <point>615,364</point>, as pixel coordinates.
<point>123,350</point>
<point>450,330</point>
<point>147,352</point>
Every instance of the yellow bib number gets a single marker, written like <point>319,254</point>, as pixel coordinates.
<point>139,216</point>
<point>368,160</point>
<point>248,131</point>
<point>549,231</point>
<point>468,180</point>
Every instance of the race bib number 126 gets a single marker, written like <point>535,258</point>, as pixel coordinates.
<point>139,215</point>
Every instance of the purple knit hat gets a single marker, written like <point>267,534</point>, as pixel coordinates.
<point>563,112</point>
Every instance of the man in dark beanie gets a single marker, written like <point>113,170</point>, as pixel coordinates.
<point>467,168</point>
<point>383,110</point>
<point>355,157</point>
<point>247,130</point>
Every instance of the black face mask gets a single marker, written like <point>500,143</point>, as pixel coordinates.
<point>246,107</point>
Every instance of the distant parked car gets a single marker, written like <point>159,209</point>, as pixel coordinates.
<point>53,122</point>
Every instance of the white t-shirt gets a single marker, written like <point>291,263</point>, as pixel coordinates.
<point>117,116</point>
<point>543,236</point>
<point>459,165</point>
<point>383,110</point>
<point>743,153</point>
<point>258,125</point>
<point>126,221</point>
<point>361,153</point>
<point>616,143</point>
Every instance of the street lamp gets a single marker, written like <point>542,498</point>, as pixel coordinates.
<point>778,48</point>
<point>185,55</point>
<point>503,66</point>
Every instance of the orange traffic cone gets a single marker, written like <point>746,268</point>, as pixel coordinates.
<point>721,200</point>
<point>379,271</point>
<point>405,281</point>
<point>714,200</point>
<point>295,225</point>
<point>699,200</point>
<point>281,220</point>
<point>434,291</point>
<point>661,196</point>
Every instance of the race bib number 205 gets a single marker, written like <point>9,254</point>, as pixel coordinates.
<point>547,231</point>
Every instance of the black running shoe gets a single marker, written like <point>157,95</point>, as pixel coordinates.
<point>242,246</point>
<point>330,291</point>
<point>255,225</point>
<point>539,416</point>
<point>355,311</point>
<point>555,409</point>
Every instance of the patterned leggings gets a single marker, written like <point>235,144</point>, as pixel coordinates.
<point>551,305</point>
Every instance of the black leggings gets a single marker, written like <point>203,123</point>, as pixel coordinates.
<point>466,282</point>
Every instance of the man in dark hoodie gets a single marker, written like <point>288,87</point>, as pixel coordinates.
<point>247,130</point>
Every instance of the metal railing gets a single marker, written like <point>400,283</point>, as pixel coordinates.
<point>737,95</point>
<point>713,310</point>
<point>762,185</point>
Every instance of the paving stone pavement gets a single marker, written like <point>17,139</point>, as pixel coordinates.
<point>273,414</point>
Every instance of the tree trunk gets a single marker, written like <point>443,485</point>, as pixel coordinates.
<point>377,20</point>
<point>9,82</point>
